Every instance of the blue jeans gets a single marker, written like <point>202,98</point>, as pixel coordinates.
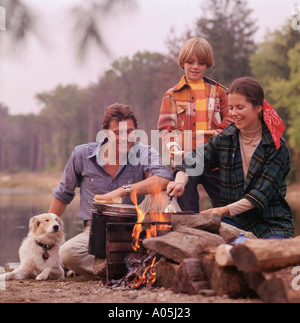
<point>189,201</point>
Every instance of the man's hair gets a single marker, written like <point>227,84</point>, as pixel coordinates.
<point>198,47</point>
<point>118,112</point>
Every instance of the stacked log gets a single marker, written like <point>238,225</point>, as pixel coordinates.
<point>271,268</point>
<point>197,259</point>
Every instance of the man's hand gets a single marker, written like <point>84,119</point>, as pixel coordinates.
<point>222,211</point>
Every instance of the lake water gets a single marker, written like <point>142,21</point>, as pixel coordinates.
<point>17,207</point>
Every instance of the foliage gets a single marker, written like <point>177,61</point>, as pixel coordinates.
<point>229,28</point>
<point>276,65</point>
<point>71,116</point>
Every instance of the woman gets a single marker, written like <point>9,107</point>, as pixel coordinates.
<point>254,161</point>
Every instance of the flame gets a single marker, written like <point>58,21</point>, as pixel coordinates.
<point>151,232</point>
<point>148,277</point>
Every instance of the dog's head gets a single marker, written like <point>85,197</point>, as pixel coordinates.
<point>46,225</point>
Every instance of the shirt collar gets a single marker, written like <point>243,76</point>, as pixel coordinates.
<point>232,130</point>
<point>95,152</point>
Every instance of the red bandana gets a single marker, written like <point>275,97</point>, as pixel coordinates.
<point>274,123</point>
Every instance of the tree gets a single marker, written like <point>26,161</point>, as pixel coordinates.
<point>139,82</point>
<point>229,28</point>
<point>286,93</point>
<point>65,117</point>
<point>269,62</point>
<point>87,17</point>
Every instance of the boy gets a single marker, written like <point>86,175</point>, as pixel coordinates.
<point>199,105</point>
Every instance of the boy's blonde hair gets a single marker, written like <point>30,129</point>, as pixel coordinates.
<point>199,47</point>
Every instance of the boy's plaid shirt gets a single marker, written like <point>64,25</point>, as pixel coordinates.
<point>265,185</point>
<point>178,111</point>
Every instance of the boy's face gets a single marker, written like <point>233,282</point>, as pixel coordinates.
<point>194,70</point>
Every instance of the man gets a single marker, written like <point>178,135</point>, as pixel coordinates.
<point>114,167</point>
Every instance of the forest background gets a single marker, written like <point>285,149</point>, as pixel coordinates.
<point>72,115</point>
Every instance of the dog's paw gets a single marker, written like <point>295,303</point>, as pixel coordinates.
<point>71,273</point>
<point>41,277</point>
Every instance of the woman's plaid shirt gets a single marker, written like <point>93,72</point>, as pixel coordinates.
<point>265,185</point>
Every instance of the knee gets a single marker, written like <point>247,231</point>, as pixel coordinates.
<point>66,255</point>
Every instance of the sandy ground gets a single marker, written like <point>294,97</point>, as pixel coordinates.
<point>81,290</point>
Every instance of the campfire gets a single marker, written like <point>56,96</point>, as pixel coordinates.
<point>141,271</point>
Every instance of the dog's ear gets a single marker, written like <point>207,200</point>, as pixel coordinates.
<point>34,223</point>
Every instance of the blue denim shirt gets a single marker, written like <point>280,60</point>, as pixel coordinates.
<point>85,169</point>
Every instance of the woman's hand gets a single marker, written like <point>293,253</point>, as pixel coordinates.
<point>175,189</point>
<point>222,211</point>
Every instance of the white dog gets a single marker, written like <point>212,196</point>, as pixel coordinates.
<point>39,250</point>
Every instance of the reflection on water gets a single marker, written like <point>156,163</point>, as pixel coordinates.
<point>15,212</point>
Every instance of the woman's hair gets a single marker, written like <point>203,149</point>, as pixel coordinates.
<point>199,47</point>
<point>118,112</point>
<point>249,88</point>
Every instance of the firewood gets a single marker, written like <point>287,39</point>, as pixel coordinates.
<point>187,243</point>
<point>223,280</point>
<point>229,233</point>
<point>230,281</point>
<point>165,272</point>
<point>223,256</point>
<point>190,277</point>
<point>208,261</point>
<point>280,287</point>
<point>207,222</point>
<point>266,255</point>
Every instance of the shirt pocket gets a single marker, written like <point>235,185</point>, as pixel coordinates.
<point>217,119</point>
<point>181,115</point>
<point>95,183</point>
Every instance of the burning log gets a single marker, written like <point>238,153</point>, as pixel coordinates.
<point>207,222</point>
<point>140,273</point>
<point>266,255</point>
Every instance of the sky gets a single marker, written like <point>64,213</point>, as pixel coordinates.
<point>41,66</point>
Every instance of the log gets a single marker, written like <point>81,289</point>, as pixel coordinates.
<point>266,255</point>
<point>190,277</point>
<point>223,256</point>
<point>208,261</point>
<point>229,281</point>
<point>187,243</point>
<point>209,222</point>
<point>280,287</point>
<point>223,280</point>
<point>229,233</point>
<point>165,272</point>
